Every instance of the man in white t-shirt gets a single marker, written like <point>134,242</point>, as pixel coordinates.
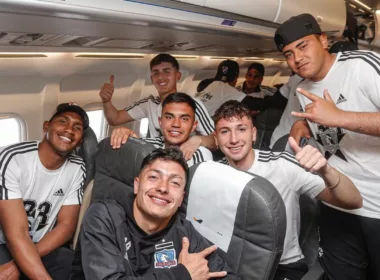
<point>340,97</point>
<point>164,75</point>
<point>306,173</point>
<point>40,195</point>
<point>177,122</point>
<point>253,79</point>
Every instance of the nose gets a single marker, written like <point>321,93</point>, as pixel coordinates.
<point>176,122</point>
<point>163,186</point>
<point>298,56</point>
<point>69,129</point>
<point>234,139</point>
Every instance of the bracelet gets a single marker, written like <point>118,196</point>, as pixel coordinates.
<point>337,183</point>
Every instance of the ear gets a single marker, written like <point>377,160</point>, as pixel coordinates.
<point>254,134</point>
<point>45,126</point>
<point>159,121</point>
<point>216,139</point>
<point>136,184</point>
<point>178,76</point>
<point>324,41</point>
<point>195,124</point>
<point>261,79</point>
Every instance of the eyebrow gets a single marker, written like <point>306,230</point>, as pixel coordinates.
<point>298,45</point>
<point>171,175</point>
<point>157,70</point>
<point>68,119</point>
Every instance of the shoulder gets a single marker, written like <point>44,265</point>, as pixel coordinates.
<point>150,100</point>
<point>202,154</point>
<point>366,58</point>
<point>105,211</point>
<point>23,149</point>
<point>76,162</point>
<point>158,142</point>
<point>283,159</point>
<point>269,90</point>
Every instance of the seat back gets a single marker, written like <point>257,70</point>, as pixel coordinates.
<point>280,144</point>
<point>309,234</point>
<point>116,169</point>
<point>243,214</point>
<point>265,123</point>
<point>87,151</point>
<point>85,204</point>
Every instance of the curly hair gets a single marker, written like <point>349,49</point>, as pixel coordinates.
<point>230,109</point>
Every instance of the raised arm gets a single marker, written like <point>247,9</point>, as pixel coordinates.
<point>339,191</point>
<point>113,115</point>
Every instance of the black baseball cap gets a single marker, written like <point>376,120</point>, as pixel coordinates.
<point>296,28</point>
<point>72,107</point>
<point>228,70</point>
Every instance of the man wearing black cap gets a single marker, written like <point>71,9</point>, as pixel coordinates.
<point>222,87</point>
<point>214,92</point>
<point>340,97</point>
<point>253,79</point>
<point>40,195</point>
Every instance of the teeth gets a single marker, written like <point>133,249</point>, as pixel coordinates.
<point>159,200</point>
<point>65,138</point>
<point>236,149</point>
<point>174,132</point>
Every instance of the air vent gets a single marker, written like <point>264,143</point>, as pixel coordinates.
<point>85,41</point>
<point>26,39</point>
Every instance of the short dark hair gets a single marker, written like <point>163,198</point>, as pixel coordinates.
<point>230,109</point>
<point>179,97</point>
<point>257,66</point>
<point>164,57</point>
<point>169,154</point>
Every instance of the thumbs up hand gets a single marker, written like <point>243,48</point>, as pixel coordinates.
<point>309,158</point>
<point>107,90</point>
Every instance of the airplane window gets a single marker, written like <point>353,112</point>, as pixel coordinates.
<point>144,127</point>
<point>11,128</point>
<point>97,123</point>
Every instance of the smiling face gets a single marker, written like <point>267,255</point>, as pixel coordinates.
<point>235,136</point>
<point>159,190</point>
<point>64,132</point>
<point>253,78</point>
<point>165,77</point>
<point>177,123</point>
<point>306,56</point>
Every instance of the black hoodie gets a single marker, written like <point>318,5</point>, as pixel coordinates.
<point>114,247</point>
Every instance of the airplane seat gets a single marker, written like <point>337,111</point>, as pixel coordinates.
<point>280,144</point>
<point>116,169</point>
<point>87,151</point>
<point>243,214</point>
<point>85,204</point>
<point>309,235</point>
<point>265,123</point>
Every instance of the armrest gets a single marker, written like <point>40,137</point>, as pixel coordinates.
<point>316,272</point>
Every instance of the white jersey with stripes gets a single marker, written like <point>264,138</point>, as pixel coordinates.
<point>151,108</point>
<point>44,192</point>
<point>291,180</point>
<point>354,85</point>
<point>216,93</point>
<point>201,154</point>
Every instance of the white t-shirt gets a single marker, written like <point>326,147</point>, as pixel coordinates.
<point>43,191</point>
<point>354,84</point>
<point>287,120</point>
<point>201,154</point>
<point>291,180</point>
<point>151,108</point>
<point>218,92</point>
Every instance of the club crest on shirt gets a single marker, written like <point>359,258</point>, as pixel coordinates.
<point>330,139</point>
<point>165,258</point>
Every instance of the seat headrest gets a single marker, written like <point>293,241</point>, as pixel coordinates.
<point>243,214</point>
<point>117,168</point>
<point>87,151</point>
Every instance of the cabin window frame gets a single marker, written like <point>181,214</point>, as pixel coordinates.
<point>104,125</point>
<point>22,126</point>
